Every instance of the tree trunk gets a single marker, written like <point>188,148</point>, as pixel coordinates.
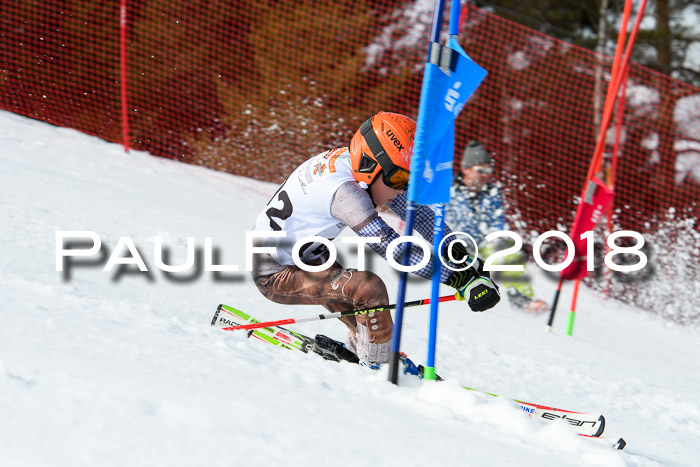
<point>665,122</point>
<point>663,27</point>
<point>598,92</point>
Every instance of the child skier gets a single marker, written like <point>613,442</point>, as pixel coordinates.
<point>342,188</point>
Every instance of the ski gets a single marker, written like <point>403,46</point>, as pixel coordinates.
<point>327,348</point>
<point>226,316</point>
<point>588,425</point>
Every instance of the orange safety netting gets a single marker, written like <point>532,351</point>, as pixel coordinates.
<point>254,88</point>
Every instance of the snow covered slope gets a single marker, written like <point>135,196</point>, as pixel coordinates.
<point>122,368</point>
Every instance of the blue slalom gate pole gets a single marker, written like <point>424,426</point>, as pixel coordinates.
<point>438,234</point>
<point>410,220</point>
<point>398,316</point>
<point>451,77</point>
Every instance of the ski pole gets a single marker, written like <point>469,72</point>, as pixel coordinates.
<point>338,314</point>
<point>554,306</point>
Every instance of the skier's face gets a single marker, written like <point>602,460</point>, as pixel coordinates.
<point>382,194</point>
<point>476,176</point>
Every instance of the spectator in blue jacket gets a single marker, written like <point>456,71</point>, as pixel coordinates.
<point>475,205</point>
<point>476,208</point>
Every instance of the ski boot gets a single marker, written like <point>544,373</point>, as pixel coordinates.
<point>527,304</point>
<point>410,368</point>
<point>331,349</point>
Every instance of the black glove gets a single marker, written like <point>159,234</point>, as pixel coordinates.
<point>481,293</point>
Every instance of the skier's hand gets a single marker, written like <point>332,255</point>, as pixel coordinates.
<point>480,292</point>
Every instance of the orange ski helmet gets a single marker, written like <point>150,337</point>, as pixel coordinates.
<point>384,143</point>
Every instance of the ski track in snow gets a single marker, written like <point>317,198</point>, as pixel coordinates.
<point>122,368</point>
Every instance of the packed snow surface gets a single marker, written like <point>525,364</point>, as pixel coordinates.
<point>121,367</point>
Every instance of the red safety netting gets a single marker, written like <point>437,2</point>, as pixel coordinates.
<point>254,88</point>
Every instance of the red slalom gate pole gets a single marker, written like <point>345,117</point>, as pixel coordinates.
<point>572,311</point>
<point>613,89</point>
<point>621,63</point>
<point>425,301</point>
<point>122,60</point>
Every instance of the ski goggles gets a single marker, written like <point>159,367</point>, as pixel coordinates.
<point>394,176</point>
<point>398,180</point>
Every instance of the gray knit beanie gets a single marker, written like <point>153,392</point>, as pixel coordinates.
<point>475,154</point>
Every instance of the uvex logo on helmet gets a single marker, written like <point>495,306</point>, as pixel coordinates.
<point>395,140</point>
